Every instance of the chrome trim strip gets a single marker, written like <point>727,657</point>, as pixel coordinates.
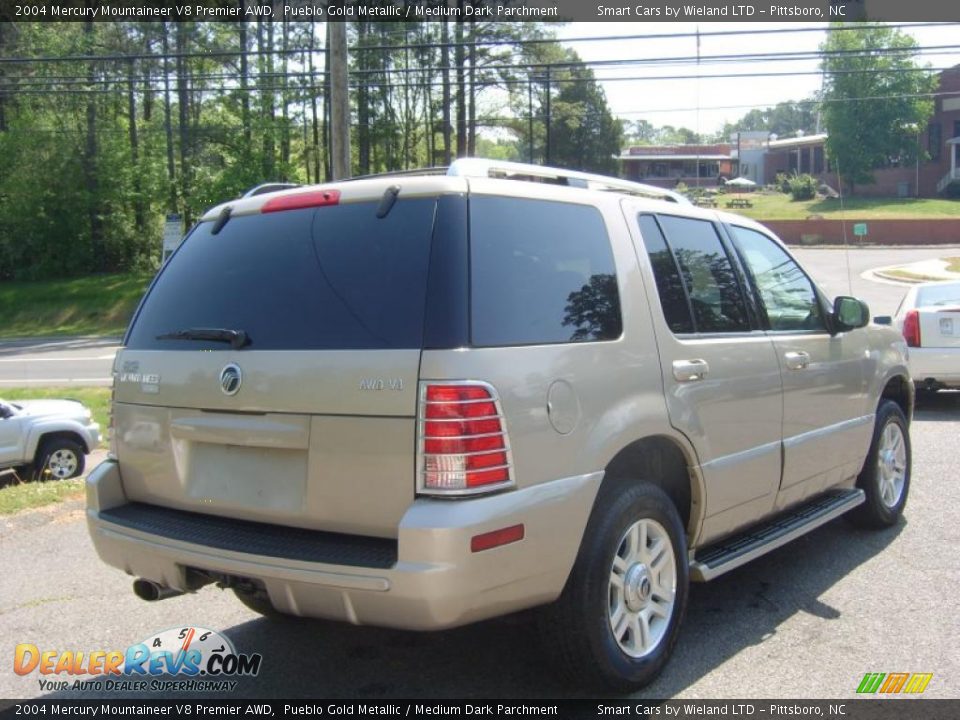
<point>851,424</point>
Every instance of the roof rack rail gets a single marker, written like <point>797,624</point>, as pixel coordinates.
<point>401,173</point>
<point>478,167</point>
<point>269,188</point>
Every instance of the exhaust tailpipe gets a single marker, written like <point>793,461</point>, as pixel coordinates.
<point>151,591</point>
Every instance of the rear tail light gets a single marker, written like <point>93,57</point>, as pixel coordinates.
<point>463,445</point>
<point>911,328</point>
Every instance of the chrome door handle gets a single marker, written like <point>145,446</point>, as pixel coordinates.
<point>690,370</point>
<point>797,360</point>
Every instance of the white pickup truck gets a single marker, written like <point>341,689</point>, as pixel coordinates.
<point>46,438</point>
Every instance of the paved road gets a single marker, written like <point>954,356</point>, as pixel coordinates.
<point>829,269</point>
<point>74,361</point>
<point>806,621</point>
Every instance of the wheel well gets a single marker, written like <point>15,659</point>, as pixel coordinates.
<point>898,390</point>
<point>64,435</point>
<point>658,460</point>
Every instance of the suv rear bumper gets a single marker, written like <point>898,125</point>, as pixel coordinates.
<point>436,582</point>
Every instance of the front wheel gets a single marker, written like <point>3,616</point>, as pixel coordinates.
<point>59,459</point>
<point>885,478</point>
<point>617,620</point>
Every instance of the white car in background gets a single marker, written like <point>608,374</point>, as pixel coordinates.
<point>46,438</point>
<point>929,318</point>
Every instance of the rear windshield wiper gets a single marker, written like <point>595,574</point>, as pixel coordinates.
<point>236,338</point>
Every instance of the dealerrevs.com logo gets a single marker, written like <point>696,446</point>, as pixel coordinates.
<point>187,659</point>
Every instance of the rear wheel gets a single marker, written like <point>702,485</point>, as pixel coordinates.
<point>885,478</point>
<point>618,618</point>
<point>59,459</point>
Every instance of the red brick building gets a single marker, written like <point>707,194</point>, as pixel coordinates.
<point>930,177</point>
<point>937,174</point>
<point>667,165</point>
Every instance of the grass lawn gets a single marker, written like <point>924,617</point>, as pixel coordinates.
<point>778,206</point>
<point>16,496</point>
<point>23,496</point>
<point>95,305</point>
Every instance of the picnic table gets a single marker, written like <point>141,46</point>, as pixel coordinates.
<point>739,203</point>
<point>706,202</point>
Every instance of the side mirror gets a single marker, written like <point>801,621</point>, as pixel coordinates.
<point>849,313</point>
<point>883,320</point>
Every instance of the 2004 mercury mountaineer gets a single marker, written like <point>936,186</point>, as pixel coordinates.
<point>423,400</point>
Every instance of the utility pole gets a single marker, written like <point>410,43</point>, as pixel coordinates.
<point>339,101</point>
<point>546,149</point>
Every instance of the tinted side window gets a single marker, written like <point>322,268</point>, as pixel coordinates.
<point>541,272</point>
<point>676,310</point>
<point>327,278</point>
<point>787,294</point>
<point>711,283</point>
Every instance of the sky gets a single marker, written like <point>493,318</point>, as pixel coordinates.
<point>676,101</point>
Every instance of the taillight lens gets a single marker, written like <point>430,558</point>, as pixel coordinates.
<point>300,200</point>
<point>911,328</point>
<point>463,446</point>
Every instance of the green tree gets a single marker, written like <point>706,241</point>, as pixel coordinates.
<point>873,96</point>
<point>585,135</point>
<point>783,119</point>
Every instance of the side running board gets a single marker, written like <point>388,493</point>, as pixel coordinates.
<point>761,539</point>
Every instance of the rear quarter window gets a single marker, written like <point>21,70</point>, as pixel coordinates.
<point>541,272</point>
<point>317,278</point>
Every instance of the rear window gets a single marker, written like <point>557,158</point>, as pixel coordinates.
<point>541,272</point>
<point>318,278</point>
<point>946,294</point>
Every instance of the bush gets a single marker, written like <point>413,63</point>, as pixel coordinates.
<point>782,181</point>
<point>803,187</point>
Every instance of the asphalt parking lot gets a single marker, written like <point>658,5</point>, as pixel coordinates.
<point>806,621</point>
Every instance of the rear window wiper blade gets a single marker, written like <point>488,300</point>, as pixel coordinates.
<point>236,338</point>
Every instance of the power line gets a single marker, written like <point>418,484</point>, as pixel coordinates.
<point>503,82</point>
<point>216,52</point>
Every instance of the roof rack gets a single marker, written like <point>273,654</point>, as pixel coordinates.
<point>269,188</point>
<point>478,167</point>
<point>401,173</point>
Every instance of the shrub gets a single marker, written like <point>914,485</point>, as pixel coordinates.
<point>803,187</point>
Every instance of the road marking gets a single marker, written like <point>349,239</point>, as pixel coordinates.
<point>51,381</point>
<point>70,359</point>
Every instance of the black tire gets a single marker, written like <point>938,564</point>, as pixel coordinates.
<point>885,495</point>
<point>59,459</point>
<point>259,602</point>
<point>577,630</point>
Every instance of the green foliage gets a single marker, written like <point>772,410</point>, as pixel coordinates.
<point>874,100</point>
<point>783,119</point>
<point>782,181</point>
<point>94,305</point>
<point>803,187</point>
<point>94,153</point>
<point>585,134</point>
